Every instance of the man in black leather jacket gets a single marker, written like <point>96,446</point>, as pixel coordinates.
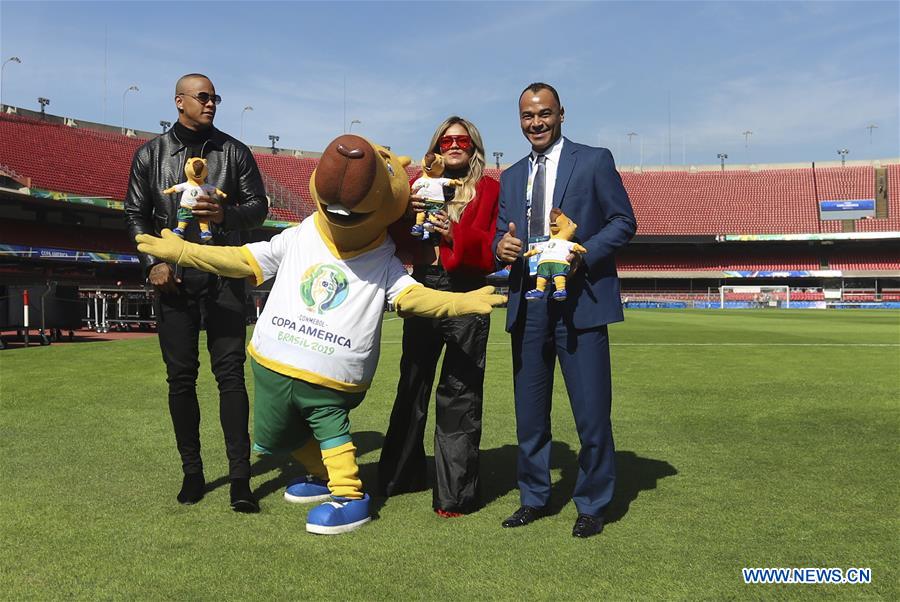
<point>184,299</point>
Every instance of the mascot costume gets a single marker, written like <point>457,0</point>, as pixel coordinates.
<point>315,347</point>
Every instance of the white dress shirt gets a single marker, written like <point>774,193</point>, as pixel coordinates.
<point>551,166</point>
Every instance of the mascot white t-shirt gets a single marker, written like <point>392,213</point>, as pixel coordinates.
<point>322,320</point>
<point>191,192</point>
<point>556,249</point>
<point>430,189</point>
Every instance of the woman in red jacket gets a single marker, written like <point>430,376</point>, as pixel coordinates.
<point>457,260</point>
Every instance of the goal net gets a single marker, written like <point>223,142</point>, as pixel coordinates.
<point>755,296</point>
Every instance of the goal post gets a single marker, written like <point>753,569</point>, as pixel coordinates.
<point>755,296</point>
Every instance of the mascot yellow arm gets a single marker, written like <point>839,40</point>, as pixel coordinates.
<point>429,303</point>
<point>579,249</point>
<point>233,262</point>
<point>169,190</point>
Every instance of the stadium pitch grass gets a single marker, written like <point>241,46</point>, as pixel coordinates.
<point>778,452</point>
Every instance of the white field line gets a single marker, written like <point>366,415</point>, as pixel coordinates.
<point>726,344</point>
<point>395,342</point>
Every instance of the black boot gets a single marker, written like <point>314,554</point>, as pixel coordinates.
<point>242,499</point>
<point>192,488</point>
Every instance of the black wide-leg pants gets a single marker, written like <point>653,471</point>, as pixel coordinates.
<point>458,405</point>
<point>219,304</point>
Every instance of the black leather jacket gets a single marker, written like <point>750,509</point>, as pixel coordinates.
<point>159,164</point>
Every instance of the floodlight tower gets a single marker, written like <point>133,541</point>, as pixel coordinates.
<point>165,125</point>
<point>245,109</point>
<point>273,139</point>
<point>843,153</point>
<point>722,157</point>
<point>746,134</point>
<point>632,135</point>
<point>497,156</point>
<point>871,127</point>
<point>131,88</point>
<point>12,59</point>
<point>43,102</point>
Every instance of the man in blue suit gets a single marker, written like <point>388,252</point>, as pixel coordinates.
<point>582,181</point>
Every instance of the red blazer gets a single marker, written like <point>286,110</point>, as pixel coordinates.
<point>472,235</point>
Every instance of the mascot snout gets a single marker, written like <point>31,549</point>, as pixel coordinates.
<point>346,171</point>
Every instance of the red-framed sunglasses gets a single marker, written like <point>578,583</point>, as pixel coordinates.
<point>463,141</point>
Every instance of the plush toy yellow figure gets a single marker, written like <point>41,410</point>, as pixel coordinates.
<point>315,347</point>
<point>430,188</point>
<point>193,189</point>
<point>553,262</point>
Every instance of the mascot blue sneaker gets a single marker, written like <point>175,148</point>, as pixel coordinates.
<point>534,294</point>
<point>307,490</point>
<point>338,516</point>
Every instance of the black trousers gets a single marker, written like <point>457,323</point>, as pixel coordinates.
<point>458,398</point>
<point>219,304</point>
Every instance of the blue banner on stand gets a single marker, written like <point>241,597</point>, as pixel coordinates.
<point>68,255</point>
<point>782,273</point>
<point>856,209</point>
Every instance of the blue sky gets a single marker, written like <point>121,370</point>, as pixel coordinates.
<point>805,77</point>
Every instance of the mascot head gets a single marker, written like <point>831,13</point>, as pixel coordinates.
<point>359,188</point>
<point>195,170</point>
<point>561,226</point>
<point>433,165</point>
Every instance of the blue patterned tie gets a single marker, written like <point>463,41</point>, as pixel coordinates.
<point>538,185</point>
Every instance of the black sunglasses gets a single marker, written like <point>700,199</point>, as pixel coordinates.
<point>203,97</point>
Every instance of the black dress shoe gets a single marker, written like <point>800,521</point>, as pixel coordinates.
<point>523,516</point>
<point>242,499</point>
<point>192,488</point>
<point>587,525</point>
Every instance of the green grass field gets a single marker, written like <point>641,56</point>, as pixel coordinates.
<point>745,439</point>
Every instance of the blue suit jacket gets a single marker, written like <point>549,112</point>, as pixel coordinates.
<point>589,190</point>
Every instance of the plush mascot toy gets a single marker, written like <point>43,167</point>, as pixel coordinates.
<point>553,263</point>
<point>315,347</point>
<point>430,188</point>
<point>195,187</point>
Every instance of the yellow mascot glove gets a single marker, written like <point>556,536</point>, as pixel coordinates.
<point>231,262</point>
<point>429,303</point>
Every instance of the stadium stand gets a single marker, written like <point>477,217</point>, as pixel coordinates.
<point>720,260</point>
<point>864,260</point>
<point>290,177</point>
<point>768,201</point>
<point>78,238</point>
<point>892,223</point>
<point>96,164</point>
<point>65,159</point>
<point>634,258</point>
<point>675,203</point>
<point>62,187</point>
